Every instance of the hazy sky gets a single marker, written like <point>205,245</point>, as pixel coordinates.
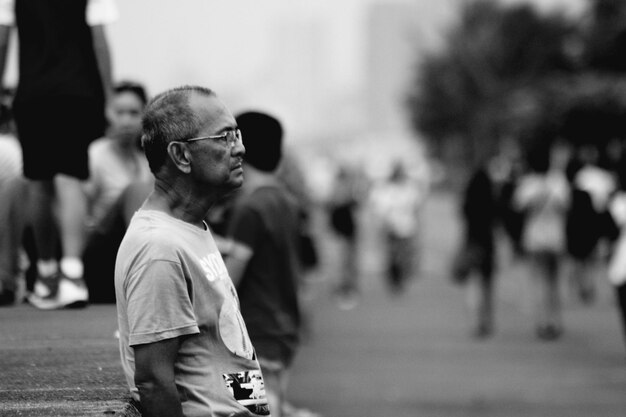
<point>307,59</point>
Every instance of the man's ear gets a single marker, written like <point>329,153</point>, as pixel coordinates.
<point>180,156</point>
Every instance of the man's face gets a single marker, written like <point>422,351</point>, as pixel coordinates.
<point>214,162</point>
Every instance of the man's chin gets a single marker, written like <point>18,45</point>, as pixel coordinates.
<point>237,182</point>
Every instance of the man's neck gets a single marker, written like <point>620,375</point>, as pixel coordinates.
<point>179,202</point>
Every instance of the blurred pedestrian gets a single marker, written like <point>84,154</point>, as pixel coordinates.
<point>64,75</point>
<point>505,171</point>
<point>617,262</point>
<point>291,175</point>
<point>184,345</point>
<point>12,208</point>
<point>116,160</point>
<point>588,220</point>
<point>345,198</point>
<point>543,194</point>
<point>397,202</point>
<point>474,263</point>
<point>263,261</point>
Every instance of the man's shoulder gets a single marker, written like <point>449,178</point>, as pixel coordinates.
<point>145,242</point>
<point>149,231</point>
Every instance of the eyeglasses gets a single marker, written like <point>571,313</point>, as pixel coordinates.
<point>231,137</point>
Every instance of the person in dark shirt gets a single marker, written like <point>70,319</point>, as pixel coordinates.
<point>475,262</point>
<point>263,262</point>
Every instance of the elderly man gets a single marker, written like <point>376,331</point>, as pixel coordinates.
<point>184,346</point>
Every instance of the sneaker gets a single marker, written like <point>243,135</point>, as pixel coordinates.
<point>549,332</point>
<point>45,293</point>
<point>347,300</point>
<point>482,331</point>
<point>73,292</point>
<point>587,295</point>
<point>47,287</point>
<point>66,292</point>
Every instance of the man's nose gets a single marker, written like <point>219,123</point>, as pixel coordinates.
<point>239,149</point>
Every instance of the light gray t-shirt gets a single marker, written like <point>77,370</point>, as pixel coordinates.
<point>171,281</point>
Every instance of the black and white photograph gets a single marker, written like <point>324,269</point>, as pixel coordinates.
<point>313,208</point>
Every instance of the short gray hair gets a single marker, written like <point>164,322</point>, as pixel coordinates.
<point>169,117</point>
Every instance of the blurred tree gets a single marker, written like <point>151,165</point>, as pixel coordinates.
<point>605,40</point>
<point>488,78</point>
<point>592,107</point>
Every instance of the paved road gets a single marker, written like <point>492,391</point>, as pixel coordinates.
<point>389,356</point>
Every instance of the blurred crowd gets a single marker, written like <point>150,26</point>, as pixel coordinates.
<point>561,208</point>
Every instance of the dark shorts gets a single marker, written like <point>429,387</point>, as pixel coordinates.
<point>55,134</point>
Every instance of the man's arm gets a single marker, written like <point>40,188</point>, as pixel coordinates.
<point>237,260</point>
<point>154,377</point>
<point>103,58</point>
<point>5,37</point>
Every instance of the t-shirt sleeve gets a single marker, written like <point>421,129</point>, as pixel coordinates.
<point>159,305</point>
<point>7,12</point>
<point>245,226</point>
<point>100,12</point>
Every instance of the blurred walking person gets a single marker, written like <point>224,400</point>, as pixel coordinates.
<point>397,203</point>
<point>588,220</point>
<point>505,171</point>
<point>617,262</point>
<point>263,229</point>
<point>344,200</point>
<point>474,263</point>
<point>12,208</point>
<point>544,196</point>
<point>64,76</point>
<point>291,174</point>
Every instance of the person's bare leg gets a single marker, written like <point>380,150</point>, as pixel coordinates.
<point>539,292</point>
<point>586,285</point>
<point>485,309</point>
<point>554,298</point>
<point>71,212</point>
<point>550,323</point>
<point>12,220</point>
<point>41,201</point>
